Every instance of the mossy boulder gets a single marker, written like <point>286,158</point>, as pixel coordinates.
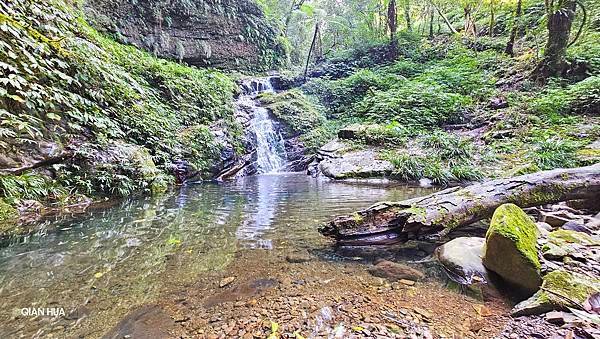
<point>8,215</point>
<point>511,248</point>
<point>560,290</point>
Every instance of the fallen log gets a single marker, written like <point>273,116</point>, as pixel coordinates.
<point>437,214</point>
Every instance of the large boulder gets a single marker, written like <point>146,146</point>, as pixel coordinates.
<point>356,164</point>
<point>462,259</point>
<point>561,289</point>
<point>511,248</point>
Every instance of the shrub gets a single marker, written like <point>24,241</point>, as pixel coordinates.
<point>339,95</point>
<point>580,98</point>
<point>413,103</point>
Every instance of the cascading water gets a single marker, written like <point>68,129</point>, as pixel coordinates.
<point>270,146</point>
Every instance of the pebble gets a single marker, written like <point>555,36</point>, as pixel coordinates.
<point>226,281</point>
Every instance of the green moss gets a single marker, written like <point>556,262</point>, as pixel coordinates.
<point>539,195</point>
<point>357,217</point>
<point>573,286</point>
<point>569,236</point>
<point>7,212</point>
<point>512,223</point>
<point>161,184</point>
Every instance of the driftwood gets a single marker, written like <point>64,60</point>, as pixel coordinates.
<point>437,214</point>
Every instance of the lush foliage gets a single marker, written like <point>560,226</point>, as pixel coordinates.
<point>64,82</point>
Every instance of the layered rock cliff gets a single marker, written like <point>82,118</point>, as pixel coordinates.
<point>227,34</point>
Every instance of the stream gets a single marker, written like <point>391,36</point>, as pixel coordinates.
<point>100,265</point>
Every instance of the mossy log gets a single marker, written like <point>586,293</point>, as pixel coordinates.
<point>439,213</point>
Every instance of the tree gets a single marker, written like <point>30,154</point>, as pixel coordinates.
<point>510,46</point>
<point>560,16</point>
<point>492,17</point>
<point>407,15</point>
<point>443,16</point>
<point>392,20</point>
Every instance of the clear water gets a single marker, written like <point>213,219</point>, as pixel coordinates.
<point>102,264</point>
<point>270,147</point>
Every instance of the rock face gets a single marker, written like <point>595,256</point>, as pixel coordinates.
<point>394,271</point>
<point>511,248</point>
<point>462,259</point>
<point>229,34</point>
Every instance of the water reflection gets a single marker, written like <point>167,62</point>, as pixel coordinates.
<point>100,265</point>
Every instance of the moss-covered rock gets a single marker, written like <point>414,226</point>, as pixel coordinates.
<point>511,248</point>
<point>562,243</point>
<point>7,213</point>
<point>295,110</point>
<point>560,289</point>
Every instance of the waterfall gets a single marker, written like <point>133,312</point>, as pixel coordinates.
<point>270,147</point>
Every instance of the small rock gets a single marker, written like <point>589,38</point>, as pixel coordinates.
<point>556,219</point>
<point>422,312</point>
<point>298,257</point>
<point>226,281</point>
<point>544,226</point>
<point>407,282</point>
<point>576,226</point>
<point>395,271</point>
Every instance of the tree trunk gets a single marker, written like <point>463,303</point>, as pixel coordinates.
<point>432,16</point>
<point>469,22</point>
<point>560,20</point>
<point>392,20</point>
<point>443,211</point>
<point>312,46</point>
<point>492,18</point>
<point>513,33</point>
<point>443,17</point>
<point>407,15</point>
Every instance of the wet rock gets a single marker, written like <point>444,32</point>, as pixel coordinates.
<point>561,289</point>
<point>576,226</point>
<point>588,204</point>
<point>544,226</point>
<point>298,257</point>
<point>395,271</point>
<point>147,322</point>
<point>593,224</point>
<point>556,219</point>
<point>511,248</point>
<point>462,259</point>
